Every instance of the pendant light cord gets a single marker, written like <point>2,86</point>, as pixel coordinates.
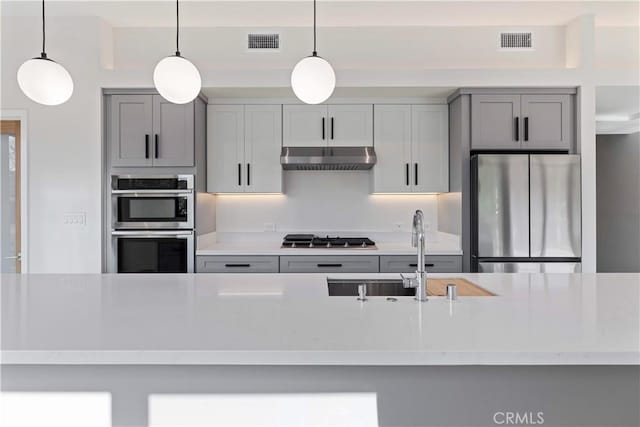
<point>43,54</point>
<point>177,29</point>
<point>315,53</point>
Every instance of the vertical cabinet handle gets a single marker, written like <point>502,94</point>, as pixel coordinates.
<point>517,128</point>
<point>146,146</point>
<point>407,173</point>
<point>323,129</point>
<point>526,128</point>
<point>415,173</point>
<point>239,173</point>
<point>331,127</point>
<point>248,174</point>
<point>155,147</point>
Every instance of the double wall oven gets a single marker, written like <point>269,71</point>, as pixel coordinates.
<point>152,224</point>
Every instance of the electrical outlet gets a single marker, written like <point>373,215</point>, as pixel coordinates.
<point>269,226</point>
<point>397,226</point>
<point>427,226</point>
<point>74,218</point>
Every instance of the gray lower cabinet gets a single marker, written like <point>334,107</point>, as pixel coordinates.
<point>329,264</point>
<point>236,264</point>
<point>433,263</point>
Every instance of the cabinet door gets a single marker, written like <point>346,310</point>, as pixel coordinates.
<point>173,128</point>
<point>430,148</point>
<point>304,125</point>
<point>495,122</point>
<point>329,264</point>
<point>262,146</point>
<point>392,133</point>
<point>131,130</point>
<point>350,125</point>
<point>225,148</point>
<point>547,121</point>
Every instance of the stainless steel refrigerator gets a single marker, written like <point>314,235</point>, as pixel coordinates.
<point>525,213</point>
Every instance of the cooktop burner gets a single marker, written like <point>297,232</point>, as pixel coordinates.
<point>313,241</point>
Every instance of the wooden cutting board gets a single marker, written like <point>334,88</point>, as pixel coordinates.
<point>438,288</point>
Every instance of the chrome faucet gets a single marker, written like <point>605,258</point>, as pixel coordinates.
<point>419,280</point>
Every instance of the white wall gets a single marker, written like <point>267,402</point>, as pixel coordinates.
<point>323,201</point>
<point>64,143</point>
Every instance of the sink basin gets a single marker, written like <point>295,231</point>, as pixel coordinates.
<point>394,288</point>
<point>375,288</point>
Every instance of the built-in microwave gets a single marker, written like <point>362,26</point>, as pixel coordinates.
<point>152,202</point>
<point>152,251</point>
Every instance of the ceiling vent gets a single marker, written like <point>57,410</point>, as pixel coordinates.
<point>261,42</point>
<point>516,41</point>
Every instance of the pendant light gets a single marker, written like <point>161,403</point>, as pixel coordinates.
<point>313,79</point>
<point>44,80</point>
<point>175,77</point>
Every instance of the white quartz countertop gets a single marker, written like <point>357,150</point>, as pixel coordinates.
<point>245,319</point>
<point>264,248</point>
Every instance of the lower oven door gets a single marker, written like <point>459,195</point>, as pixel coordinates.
<point>170,251</point>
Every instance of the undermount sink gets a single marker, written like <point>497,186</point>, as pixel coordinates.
<point>375,288</point>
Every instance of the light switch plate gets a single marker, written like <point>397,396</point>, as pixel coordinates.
<point>74,218</point>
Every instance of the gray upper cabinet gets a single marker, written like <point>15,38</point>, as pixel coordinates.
<point>494,122</point>
<point>547,122</point>
<point>522,122</point>
<point>147,130</point>
<point>173,133</point>
<point>131,129</point>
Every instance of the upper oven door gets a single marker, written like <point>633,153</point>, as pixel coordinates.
<point>152,209</point>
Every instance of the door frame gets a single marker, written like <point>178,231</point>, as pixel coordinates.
<point>21,115</point>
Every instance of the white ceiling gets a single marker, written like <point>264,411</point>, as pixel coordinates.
<point>336,13</point>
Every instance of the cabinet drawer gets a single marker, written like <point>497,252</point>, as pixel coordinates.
<point>407,263</point>
<point>329,264</point>
<point>236,264</point>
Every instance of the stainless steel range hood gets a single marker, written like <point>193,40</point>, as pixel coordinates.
<point>327,158</point>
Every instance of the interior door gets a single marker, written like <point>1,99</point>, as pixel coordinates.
<point>430,148</point>
<point>131,130</point>
<point>262,143</point>
<point>304,125</point>
<point>173,127</point>
<point>502,205</point>
<point>547,122</point>
<point>555,206</point>
<point>350,125</point>
<point>495,122</point>
<point>392,172</point>
<point>225,149</point>
<point>10,224</point>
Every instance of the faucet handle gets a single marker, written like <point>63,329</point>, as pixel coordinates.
<point>409,281</point>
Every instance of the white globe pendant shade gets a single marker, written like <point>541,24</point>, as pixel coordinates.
<point>177,79</point>
<point>313,80</point>
<point>45,81</point>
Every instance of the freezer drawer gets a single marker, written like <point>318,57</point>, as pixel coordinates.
<point>329,264</point>
<point>529,267</point>
<point>433,264</point>
<point>236,264</point>
<point>501,205</point>
<point>555,206</point>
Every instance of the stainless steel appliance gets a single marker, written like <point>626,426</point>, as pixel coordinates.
<point>526,214</point>
<point>150,202</point>
<point>152,221</point>
<point>327,158</point>
<point>313,241</point>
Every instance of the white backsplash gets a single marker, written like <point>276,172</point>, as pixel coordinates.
<point>323,202</point>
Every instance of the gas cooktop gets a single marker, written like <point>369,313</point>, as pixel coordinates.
<point>313,241</point>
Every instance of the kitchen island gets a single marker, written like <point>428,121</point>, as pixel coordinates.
<point>543,343</point>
